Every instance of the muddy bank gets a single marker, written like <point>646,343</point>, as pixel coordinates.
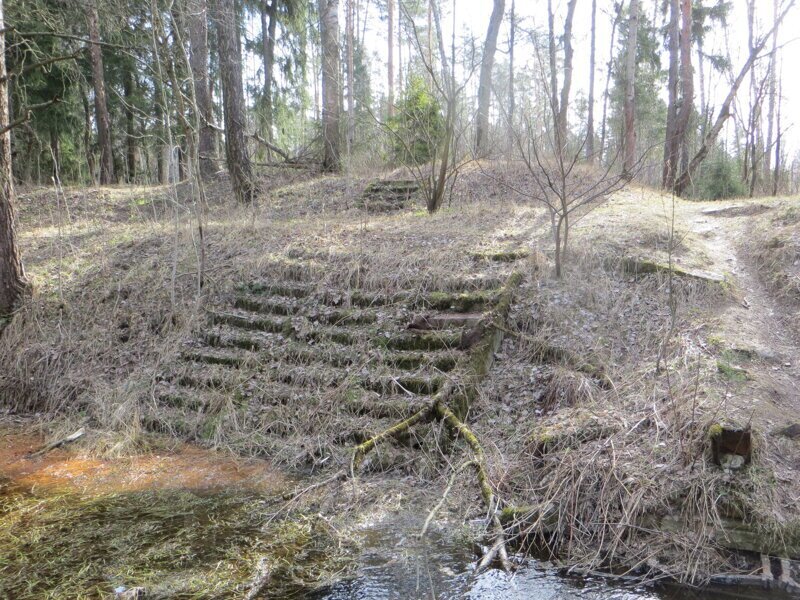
<point>183,524</point>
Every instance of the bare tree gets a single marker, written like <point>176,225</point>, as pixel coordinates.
<point>351,100</point>
<point>671,141</point>
<point>560,106</point>
<point>100,103</point>
<point>684,181</point>
<point>390,49</point>
<point>485,83</point>
<point>609,71</point>
<point>772,93</point>
<point>230,62</point>
<point>629,147</point>
<point>269,24</point>
<point>590,112</point>
<point>331,84</point>
<point>12,275</point>
<point>512,97</point>
<point>687,85</point>
<point>198,39</point>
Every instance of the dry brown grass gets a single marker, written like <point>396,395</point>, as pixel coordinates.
<point>116,298</point>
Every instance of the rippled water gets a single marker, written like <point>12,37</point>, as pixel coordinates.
<point>394,564</point>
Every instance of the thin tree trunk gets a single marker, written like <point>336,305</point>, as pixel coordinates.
<point>772,91</point>
<point>198,59</point>
<point>485,85</point>
<point>351,101</point>
<point>685,179</point>
<point>776,177</point>
<point>87,135</point>
<point>609,70</point>
<point>269,23</point>
<point>230,66</point>
<point>12,275</point>
<point>687,88</point>
<point>702,73</point>
<point>100,104</point>
<point>567,85</point>
<point>590,113</point>
<point>162,147</point>
<point>390,48</point>
<point>630,91</point>
<point>331,87</point>
<point>670,166</point>
<point>551,51</point>
<point>128,90</point>
<point>512,98</point>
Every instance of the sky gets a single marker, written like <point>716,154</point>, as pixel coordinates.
<point>472,18</point>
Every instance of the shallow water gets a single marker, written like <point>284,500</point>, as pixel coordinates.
<point>194,524</point>
<point>394,564</point>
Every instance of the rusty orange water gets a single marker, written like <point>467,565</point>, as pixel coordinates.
<point>187,467</point>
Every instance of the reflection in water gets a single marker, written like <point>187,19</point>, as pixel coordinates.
<point>396,565</point>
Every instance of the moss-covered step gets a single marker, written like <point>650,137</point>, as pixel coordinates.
<point>249,321</point>
<point>280,288</point>
<point>424,340</point>
<point>366,402</point>
<point>418,385</point>
<point>501,255</point>
<point>224,357</point>
<point>648,266</point>
<point>444,360</point>
<point>464,302</point>
<point>269,305</point>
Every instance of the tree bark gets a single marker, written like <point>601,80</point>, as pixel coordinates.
<point>12,274</point>
<point>590,112</point>
<point>772,92</point>
<point>198,59</point>
<point>351,101</point>
<point>128,90</point>
<point>671,140</point>
<point>100,103</point>
<point>685,179</point>
<point>687,89</point>
<point>567,85</point>
<point>609,70</point>
<point>230,63</point>
<point>512,98</point>
<point>331,86</point>
<point>630,91</point>
<point>485,85</point>
<point>390,49</point>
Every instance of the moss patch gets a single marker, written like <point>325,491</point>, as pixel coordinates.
<point>176,544</point>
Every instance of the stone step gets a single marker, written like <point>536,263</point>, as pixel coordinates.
<point>277,288</point>
<point>444,361</point>
<point>248,321</point>
<point>423,340</point>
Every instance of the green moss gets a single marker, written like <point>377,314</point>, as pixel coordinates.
<point>715,430</point>
<point>463,302</point>
<point>440,340</point>
<point>731,372</point>
<point>176,544</point>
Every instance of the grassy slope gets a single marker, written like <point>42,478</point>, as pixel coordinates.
<point>116,296</point>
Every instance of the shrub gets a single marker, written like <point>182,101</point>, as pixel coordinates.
<point>419,125</point>
<point>720,179</point>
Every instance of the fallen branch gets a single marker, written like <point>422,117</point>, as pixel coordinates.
<point>260,581</point>
<point>270,146</point>
<point>461,429</point>
<point>447,489</point>
<point>63,441</point>
<point>365,447</point>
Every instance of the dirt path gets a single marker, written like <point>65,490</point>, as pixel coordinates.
<point>755,327</point>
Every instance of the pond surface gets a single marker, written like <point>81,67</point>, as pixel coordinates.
<point>394,564</point>
<point>193,524</point>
